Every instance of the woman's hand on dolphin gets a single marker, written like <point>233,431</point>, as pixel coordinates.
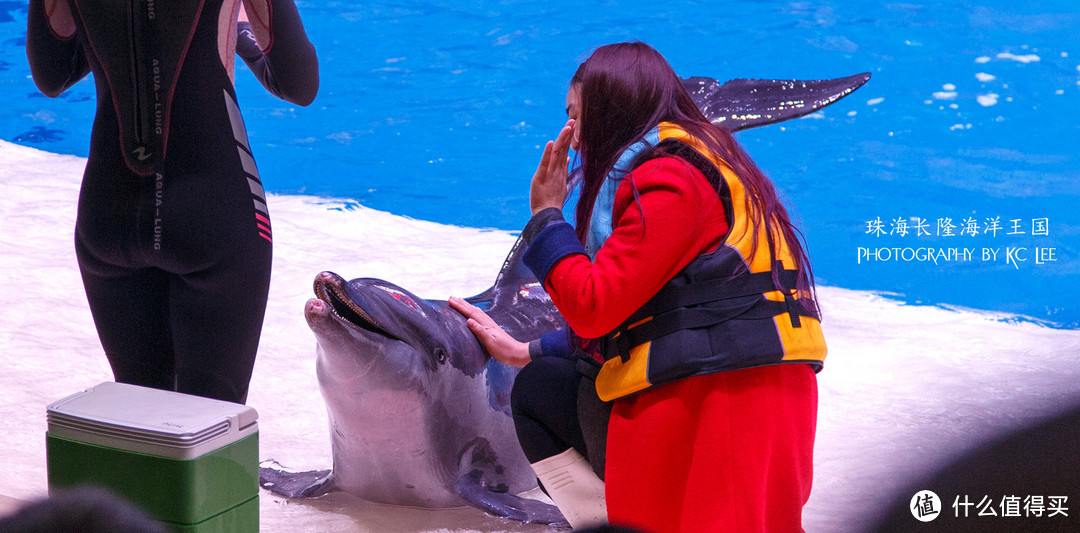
<point>549,183</point>
<point>498,343</point>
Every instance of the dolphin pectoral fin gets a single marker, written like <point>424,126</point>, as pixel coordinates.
<point>483,483</point>
<point>470,487</point>
<point>289,484</point>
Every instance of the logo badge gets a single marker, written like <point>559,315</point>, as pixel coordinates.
<point>141,154</point>
<point>925,506</point>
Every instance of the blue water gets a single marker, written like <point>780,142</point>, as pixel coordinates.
<point>438,111</point>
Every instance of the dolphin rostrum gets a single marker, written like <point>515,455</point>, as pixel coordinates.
<point>419,412</point>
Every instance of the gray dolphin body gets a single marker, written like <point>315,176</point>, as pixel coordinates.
<point>419,413</point>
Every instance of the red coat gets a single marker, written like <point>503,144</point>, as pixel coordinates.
<point>731,451</point>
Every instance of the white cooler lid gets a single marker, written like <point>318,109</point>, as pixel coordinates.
<point>150,421</point>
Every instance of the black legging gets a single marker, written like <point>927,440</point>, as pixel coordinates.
<point>544,402</point>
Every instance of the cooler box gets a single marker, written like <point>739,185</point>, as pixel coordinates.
<point>190,462</point>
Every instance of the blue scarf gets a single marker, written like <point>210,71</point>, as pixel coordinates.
<point>600,224</point>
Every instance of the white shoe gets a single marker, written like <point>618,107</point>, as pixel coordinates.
<point>576,490</point>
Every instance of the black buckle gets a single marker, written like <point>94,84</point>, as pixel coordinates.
<point>793,310</point>
<point>587,366</point>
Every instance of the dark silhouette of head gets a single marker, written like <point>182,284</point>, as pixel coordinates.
<point>80,510</point>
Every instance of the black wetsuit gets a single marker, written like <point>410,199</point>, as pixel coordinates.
<point>173,236</point>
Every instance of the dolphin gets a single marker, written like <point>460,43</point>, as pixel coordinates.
<point>419,412</point>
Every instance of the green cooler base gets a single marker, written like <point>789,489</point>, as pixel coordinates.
<point>217,491</point>
<point>244,517</point>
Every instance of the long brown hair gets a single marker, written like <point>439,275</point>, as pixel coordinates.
<point>629,88</point>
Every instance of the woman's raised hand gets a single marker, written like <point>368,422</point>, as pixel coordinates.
<point>549,183</point>
<point>497,342</point>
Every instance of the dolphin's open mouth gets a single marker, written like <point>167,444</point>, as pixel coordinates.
<point>329,288</point>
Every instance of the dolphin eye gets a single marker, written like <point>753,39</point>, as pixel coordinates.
<point>440,355</point>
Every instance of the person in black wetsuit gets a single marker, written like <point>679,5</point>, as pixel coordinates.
<point>173,236</point>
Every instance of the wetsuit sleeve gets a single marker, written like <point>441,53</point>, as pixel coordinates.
<point>675,216</point>
<point>556,343</point>
<point>276,48</point>
<point>539,221</point>
<point>553,240</point>
<point>56,58</point>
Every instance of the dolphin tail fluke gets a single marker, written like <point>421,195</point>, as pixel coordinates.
<point>291,484</point>
<point>470,486</point>
<point>745,103</point>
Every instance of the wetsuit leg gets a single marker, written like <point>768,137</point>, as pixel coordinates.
<point>217,317</point>
<point>216,239</point>
<point>129,310</point>
<point>128,298</point>
<point>544,403</point>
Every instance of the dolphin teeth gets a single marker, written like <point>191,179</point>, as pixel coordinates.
<point>346,309</point>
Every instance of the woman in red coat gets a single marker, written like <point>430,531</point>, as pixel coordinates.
<point>685,276</point>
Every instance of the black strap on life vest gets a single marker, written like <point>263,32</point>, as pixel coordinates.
<point>708,303</point>
<point>715,290</point>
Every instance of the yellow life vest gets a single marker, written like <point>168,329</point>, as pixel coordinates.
<point>724,311</point>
